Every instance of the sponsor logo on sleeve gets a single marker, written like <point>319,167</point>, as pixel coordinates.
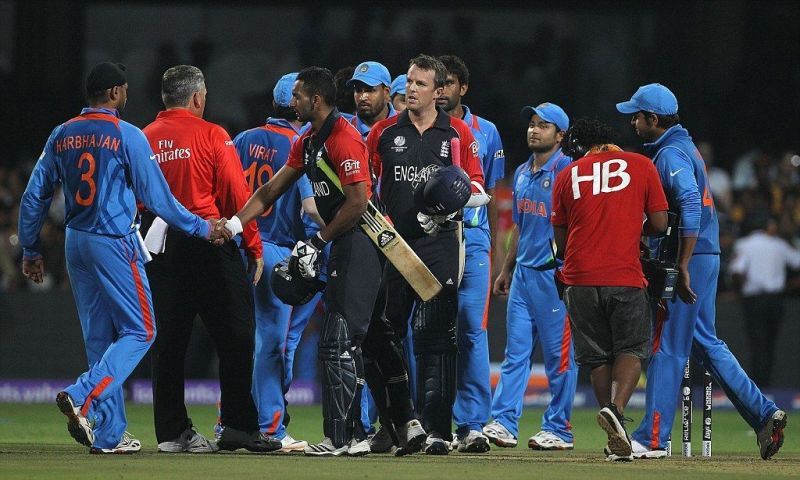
<point>351,167</point>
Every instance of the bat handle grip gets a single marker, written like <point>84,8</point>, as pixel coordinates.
<point>455,151</point>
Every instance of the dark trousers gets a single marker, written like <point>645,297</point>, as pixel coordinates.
<point>763,317</point>
<point>194,278</point>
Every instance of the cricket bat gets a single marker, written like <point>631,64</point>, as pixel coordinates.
<point>392,245</point>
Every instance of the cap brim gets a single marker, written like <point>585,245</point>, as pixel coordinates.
<point>627,107</point>
<point>526,113</point>
<point>369,82</point>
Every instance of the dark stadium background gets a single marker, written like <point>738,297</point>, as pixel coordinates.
<point>734,66</point>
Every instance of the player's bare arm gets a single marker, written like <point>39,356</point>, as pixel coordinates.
<point>310,209</point>
<point>685,251</point>
<point>656,223</point>
<point>560,237</point>
<point>502,285</point>
<point>355,204</point>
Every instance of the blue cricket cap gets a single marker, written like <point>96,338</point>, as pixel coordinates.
<point>372,74</point>
<point>282,93</point>
<point>655,98</point>
<point>550,113</point>
<point>398,85</point>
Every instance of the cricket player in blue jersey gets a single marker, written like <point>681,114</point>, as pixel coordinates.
<point>473,389</point>
<point>263,151</point>
<point>685,325</point>
<point>535,311</point>
<point>370,83</point>
<point>104,165</point>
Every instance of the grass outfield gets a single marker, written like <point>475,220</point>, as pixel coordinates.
<point>34,443</point>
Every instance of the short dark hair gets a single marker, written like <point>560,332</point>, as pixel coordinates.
<point>426,62</point>
<point>456,67</point>
<point>179,83</point>
<point>664,121</point>
<point>286,113</point>
<point>344,94</point>
<point>318,81</point>
<point>584,134</point>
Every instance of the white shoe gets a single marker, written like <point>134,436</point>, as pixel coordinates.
<point>325,448</point>
<point>499,435</point>
<point>190,441</point>
<point>79,427</point>
<point>640,451</point>
<point>473,442</point>
<point>613,424</point>
<point>381,442</point>
<point>412,436</point>
<point>454,442</point>
<point>289,444</point>
<point>435,445</point>
<point>358,448</point>
<point>127,444</point>
<point>548,441</point>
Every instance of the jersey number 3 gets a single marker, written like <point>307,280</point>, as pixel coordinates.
<point>86,177</point>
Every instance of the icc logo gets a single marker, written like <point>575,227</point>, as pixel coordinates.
<point>399,140</point>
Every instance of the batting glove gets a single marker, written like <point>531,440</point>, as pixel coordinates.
<point>305,256</point>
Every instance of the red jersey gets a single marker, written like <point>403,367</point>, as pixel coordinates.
<point>601,199</point>
<point>340,145</point>
<point>201,166</point>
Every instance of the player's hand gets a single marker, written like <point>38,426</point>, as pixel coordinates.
<point>502,284</point>
<point>305,256</point>
<point>428,225</point>
<point>682,287</point>
<point>255,267</point>
<point>219,233</point>
<point>34,269</point>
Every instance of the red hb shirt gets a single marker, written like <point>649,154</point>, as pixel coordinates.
<point>602,199</point>
<point>201,166</point>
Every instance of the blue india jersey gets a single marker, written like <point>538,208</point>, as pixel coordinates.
<point>263,151</point>
<point>533,200</point>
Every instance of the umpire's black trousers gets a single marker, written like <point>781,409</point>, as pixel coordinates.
<point>193,277</point>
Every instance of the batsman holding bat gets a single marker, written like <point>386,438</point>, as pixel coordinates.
<point>405,151</point>
<point>355,265</point>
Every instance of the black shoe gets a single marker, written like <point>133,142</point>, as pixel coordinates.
<point>770,438</point>
<point>613,423</point>
<point>232,439</point>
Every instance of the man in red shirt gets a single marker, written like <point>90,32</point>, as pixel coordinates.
<point>598,206</point>
<point>200,164</point>
<point>335,159</point>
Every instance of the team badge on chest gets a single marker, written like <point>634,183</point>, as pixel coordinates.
<point>546,183</point>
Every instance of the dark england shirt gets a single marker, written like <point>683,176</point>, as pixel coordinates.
<point>403,159</point>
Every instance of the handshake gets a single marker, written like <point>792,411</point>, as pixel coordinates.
<point>305,258</point>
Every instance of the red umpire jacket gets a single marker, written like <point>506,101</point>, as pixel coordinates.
<point>202,168</point>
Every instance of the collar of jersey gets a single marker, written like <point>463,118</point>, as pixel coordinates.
<point>548,166</point>
<point>281,122</point>
<point>652,148</point>
<point>324,132</point>
<point>107,111</point>
<point>442,119</point>
<point>176,112</point>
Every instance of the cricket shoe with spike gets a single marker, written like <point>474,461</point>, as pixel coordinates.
<point>126,445</point>
<point>640,451</point>
<point>770,438</point>
<point>358,448</point>
<point>473,442</point>
<point>412,437</point>
<point>325,448</point>
<point>381,442</point>
<point>545,440</point>
<point>435,445</point>
<point>499,435</point>
<point>290,444</point>
<point>79,427</point>
<point>613,423</point>
<point>190,441</point>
